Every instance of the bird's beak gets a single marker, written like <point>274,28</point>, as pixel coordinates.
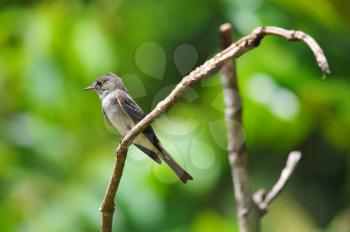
<point>91,87</point>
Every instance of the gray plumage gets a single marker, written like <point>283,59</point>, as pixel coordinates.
<point>122,112</point>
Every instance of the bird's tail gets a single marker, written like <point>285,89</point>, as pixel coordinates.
<point>179,171</point>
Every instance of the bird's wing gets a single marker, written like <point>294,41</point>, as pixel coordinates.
<point>150,153</point>
<point>130,108</point>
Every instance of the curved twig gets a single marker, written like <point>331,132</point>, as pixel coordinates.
<point>213,65</point>
<point>266,199</point>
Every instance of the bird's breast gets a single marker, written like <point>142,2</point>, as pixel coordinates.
<point>116,115</point>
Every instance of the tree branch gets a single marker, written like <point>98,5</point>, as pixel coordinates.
<point>207,69</point>
<point>248,213</point>
<point>213,65</point>
<point>266,199</point>
<point>107,206</point>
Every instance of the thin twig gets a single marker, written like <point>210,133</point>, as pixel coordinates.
<point>247,211</point>
<point>287,171</point>
<point>207,69</point>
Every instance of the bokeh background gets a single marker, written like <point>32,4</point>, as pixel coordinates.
<point>56,151</point>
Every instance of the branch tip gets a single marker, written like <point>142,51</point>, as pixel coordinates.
<point>293,158</point>
<point>225,27</point>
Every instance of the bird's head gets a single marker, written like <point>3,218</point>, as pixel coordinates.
<point>106,84</point>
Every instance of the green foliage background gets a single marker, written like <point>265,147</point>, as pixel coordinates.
<point>56,152</point>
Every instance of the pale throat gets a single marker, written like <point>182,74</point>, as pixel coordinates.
<point>104,93</point>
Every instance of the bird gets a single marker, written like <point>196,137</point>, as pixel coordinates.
<point>123,113</point>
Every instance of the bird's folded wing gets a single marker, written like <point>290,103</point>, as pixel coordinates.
<point>150,153</point>
<point>130,108</point>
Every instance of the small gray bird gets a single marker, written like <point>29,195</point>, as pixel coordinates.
<point>123,113</point>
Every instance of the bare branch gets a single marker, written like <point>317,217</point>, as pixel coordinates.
<point>301,36</point>
<point>107,206</point>
<point>213,65</point>
<point>287,171</point>
<point>207,69</point>
<point>247,211</point>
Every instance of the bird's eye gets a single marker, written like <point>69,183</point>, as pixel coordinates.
<point>99,83</point>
